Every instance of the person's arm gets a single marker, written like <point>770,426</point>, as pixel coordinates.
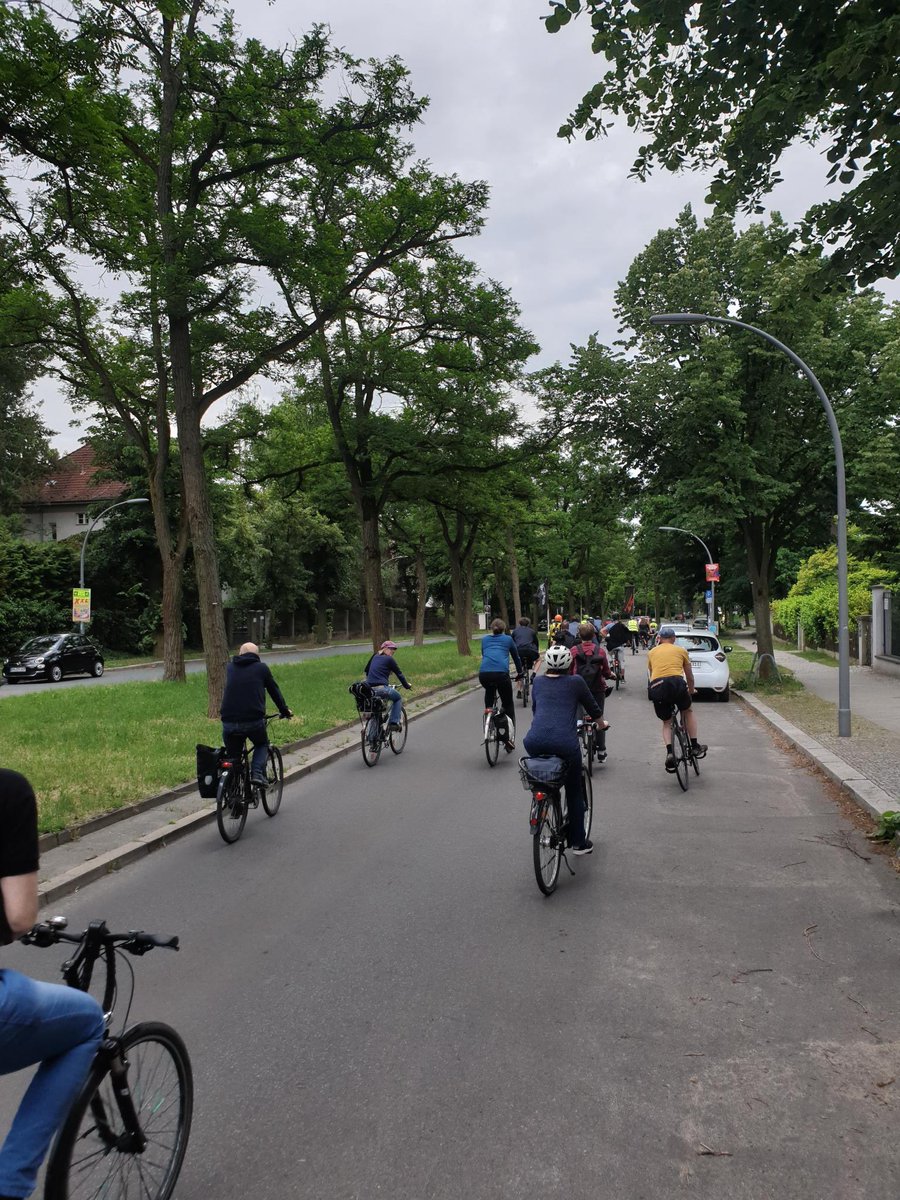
<point>514,651</point>
<point>274,691</point>
<point>20,901</point>
<point>393,667</point>
<point>605,671</point>
<point>587,701</point>
<point>689,674</point>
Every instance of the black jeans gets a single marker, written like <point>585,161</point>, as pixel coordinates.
<point>494,682</point>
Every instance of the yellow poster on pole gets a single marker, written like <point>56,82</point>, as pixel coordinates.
<point>81,604</point>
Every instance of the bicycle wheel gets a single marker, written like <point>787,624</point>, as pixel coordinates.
<point>695,761</point>
<point>588,802</point>
<point>681,749</point>
<point>547,847</point>
<point>397,737</point>
<point>94,1155</point>
<point>231,805</point>
<point>526,687</point>
<point>492,740</point>
<point>271,797</point>
<point>589,738</point>
<point>370,740</point>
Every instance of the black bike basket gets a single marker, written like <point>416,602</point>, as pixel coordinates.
<point>209,767</point>
<point>366,700</point>
<point>542,772</point>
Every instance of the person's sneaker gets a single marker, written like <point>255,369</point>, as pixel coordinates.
<point>670,761</point>
<point>258,781</point>
<point>395,727</point>
<point>587,848</point>
<point>509,745</point>
<point>699,749</point>
<point>602,756</point>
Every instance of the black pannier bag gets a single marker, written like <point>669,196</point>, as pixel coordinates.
<point>209,765</point>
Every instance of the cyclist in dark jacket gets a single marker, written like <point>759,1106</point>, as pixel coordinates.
<point>378,672</point>
<point>244,707</point>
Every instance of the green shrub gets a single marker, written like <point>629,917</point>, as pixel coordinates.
<point>812,603</point>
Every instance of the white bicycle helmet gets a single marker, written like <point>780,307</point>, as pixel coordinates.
<point>558,658</point>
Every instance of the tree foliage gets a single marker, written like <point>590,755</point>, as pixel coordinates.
<point>733,85</point>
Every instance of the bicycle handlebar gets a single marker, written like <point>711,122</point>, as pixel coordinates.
<point>135,941</point>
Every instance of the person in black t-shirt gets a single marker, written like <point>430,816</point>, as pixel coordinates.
<point>58,1027</point>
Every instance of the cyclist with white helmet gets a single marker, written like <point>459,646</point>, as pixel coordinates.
<point>557,697</point>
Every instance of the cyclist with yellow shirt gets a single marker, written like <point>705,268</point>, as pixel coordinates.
<point>672,682</point>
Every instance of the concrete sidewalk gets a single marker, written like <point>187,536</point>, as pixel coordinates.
<point>77,857</point>
<point>866,765</point>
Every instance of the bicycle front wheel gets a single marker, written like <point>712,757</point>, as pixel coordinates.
<point>492,741</point>
<point>588,801</point>
<point>680,748</point>
<point>370,740</point>
<point>547,847</point>
<point>231,806</point>
<point>526,687</point>
<point>271,797</point>
<point>397,737</point>
<point>695,762</point>
<point>98,1152</point>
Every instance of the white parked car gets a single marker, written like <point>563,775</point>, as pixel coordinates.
<point>708,661</point>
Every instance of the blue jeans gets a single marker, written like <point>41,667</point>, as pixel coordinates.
<point>235,734</point>
<point>391,693</point>
<point>60,1028</point>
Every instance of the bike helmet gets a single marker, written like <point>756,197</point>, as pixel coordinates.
<point>558,658</point>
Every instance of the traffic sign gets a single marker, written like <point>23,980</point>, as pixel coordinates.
<point>709,594</point>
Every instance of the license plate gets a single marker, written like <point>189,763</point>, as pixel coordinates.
<point>17,670</point>
<point>696,662</point>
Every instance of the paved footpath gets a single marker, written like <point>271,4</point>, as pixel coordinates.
<point>867,764</point>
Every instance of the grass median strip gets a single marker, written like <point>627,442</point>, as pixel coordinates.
<point>93,749</point>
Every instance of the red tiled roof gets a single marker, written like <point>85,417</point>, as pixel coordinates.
<point>72,482</point>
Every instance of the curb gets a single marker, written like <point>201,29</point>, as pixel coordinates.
<point>113,860</point>
<point>863,791</point>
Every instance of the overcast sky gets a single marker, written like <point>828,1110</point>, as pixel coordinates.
<point>564,221</point>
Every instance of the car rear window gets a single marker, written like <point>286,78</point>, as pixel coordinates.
<point>697,642</point>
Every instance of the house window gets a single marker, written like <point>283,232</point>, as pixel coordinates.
<point>82,518</point>
<point>51,530</point>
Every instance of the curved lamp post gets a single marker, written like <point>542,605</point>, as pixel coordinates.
<point>709,558</point>
<point>120,504</point>
<point>843,607</point>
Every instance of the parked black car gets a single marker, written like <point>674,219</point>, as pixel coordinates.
<point>53,656</point>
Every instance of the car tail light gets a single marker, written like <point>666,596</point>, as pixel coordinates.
<point>720,657</point>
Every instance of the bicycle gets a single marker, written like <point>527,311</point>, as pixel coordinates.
<point>616,666</point>
<point>374,733</point>
<point>682,751</point>
<point>549,821</point>
<point>496,726</point>
<point>236,795</point>
<point>127,1131</point>
<point>587,735</point>
<point>526,684</point>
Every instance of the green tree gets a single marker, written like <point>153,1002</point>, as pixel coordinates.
<point>190,164</point>
<point>736,84</point>
<point>721,425</point>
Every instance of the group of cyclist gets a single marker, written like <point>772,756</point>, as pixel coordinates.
<point>576,652</point>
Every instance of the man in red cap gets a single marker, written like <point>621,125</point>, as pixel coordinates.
<point>379,669</point>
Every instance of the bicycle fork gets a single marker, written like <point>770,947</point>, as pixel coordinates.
<point>132,1140</point>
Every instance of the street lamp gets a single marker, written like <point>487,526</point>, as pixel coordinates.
<point>120,504</point>
<point>843,606</point>
<point>709,558</point>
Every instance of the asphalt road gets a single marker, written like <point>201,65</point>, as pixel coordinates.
<point>379,1002</point>
<point>144,674</point>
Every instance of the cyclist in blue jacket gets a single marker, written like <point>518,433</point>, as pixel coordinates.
<point>493,675</point>
<point>378,673</point>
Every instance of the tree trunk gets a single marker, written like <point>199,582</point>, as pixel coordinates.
<point>468,572</point>
<point>501,592</point>
<point>759,557</point>
<point>172,553</point>
<point>514,575</point>
<point>322,622</point>
<point>196,495</point>
<point>421,596</point>
<point>372,580</point>
<point>458,591</point>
